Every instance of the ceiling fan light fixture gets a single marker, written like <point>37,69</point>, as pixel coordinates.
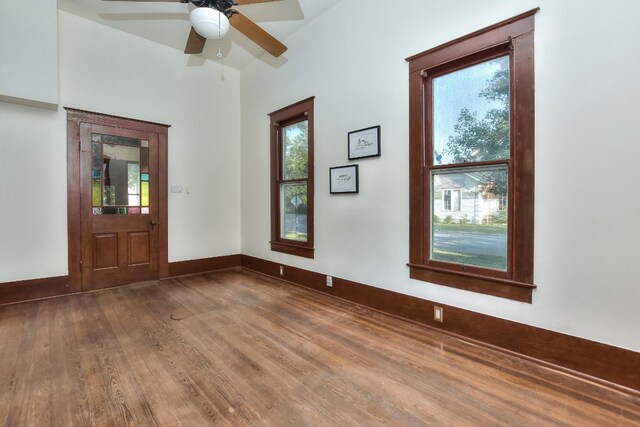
<point>209,23</point>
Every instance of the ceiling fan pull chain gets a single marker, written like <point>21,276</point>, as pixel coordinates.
<point>219,55</point>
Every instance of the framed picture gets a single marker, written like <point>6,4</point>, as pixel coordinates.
<point>364,143</point>
<point>343,179</point>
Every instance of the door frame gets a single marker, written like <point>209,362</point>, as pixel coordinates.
<point>77,117</point>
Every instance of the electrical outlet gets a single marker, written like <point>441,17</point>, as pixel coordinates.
<point>281,270</point>
<point>329,281</point>
<point>438,314</point>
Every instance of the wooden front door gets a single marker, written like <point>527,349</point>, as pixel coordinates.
<point>119,205</point>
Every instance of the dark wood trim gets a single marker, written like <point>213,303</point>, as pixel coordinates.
<point>515,38</point>
<point>73,205</point>
<point>482,39</point>
<point>495,286</point>
<point>115,121</point>
<point>163,212</point>
<point>75,119</point>
<point>291,249</point>
<point>34,289</point>
<point>279,118</point>
<point>284,112</point>
<point>612,366</point>
<point>203,265</point>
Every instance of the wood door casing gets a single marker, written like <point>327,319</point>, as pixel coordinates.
<point>111,250</point>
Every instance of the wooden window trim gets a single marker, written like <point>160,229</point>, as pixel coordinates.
<point>289,115</point>
<point>516,35</point>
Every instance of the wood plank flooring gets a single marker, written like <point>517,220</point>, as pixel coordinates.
<point>236,348</point>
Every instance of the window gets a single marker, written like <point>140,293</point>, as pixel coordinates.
<point>472,161</point>
<point>292,179</point>
<point>451,200</point>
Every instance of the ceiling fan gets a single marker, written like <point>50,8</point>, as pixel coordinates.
<point>211,18</point>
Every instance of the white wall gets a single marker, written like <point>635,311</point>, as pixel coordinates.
<point>109,71</point>
<point>29,48</point>
<point>352,59</point>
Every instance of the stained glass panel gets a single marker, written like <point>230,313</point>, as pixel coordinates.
<point>133,210</point>
<point>145,211</point>
<point>144,194</point>
<point>109,139</point>
<point>144,177</point>
<point>97,211</point>
<point>144,160</point>
<point>109,211</point>
<point>96,192</point>
<point>96,156</point>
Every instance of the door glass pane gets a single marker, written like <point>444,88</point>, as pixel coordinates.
<point>96,192</point>
<point>471,114</point>
<point>295,147</point>
<point>145,193</point>
<point>469,217</point>
<point>133,182</point>
<point>118,186</point>
<point>293,219</point>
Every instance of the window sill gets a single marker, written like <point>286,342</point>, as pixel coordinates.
<point>502,288</point>
<point>292,249</point>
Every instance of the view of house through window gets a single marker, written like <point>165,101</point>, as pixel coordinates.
<point>471,161</point>
<point>469,227</point>
<point>470,125</point>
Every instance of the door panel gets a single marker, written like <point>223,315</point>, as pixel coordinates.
<point>105,251</point>
<point>119,206</point>
<point>138,250</point>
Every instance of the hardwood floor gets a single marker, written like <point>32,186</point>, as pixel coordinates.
<point>236,348</point>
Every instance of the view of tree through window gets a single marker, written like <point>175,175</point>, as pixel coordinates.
<point>292,177</point>
<point>471,124</point>
<point>294,189</point>
<point>472,161</point>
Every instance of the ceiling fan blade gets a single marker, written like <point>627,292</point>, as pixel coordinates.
<point>263,39</point>
<point>243,2</point>
<point>195,43</point>
<point>149,1</point>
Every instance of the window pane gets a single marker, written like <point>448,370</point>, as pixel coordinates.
<point>293,220</point>
<point>469,220</point>
<point>295,150</point>
<point>133,181</point>
<point>471,114</point>
<point>121,171</point>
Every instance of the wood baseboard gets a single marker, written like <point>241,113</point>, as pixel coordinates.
<point>613,366</point>
<point>602,363</point>
<point>195,266</point>
<point>34,289</point>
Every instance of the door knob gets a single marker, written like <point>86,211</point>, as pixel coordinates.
<point>153,223</point>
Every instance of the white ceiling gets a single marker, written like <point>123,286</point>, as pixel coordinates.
<point>168,24</point>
